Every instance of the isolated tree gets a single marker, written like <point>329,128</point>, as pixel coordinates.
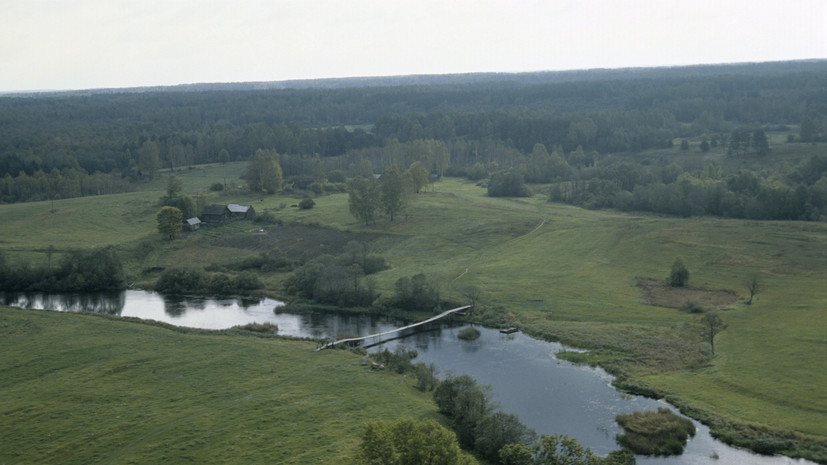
<point>711,325</point>
<point>705,146</point>
<point>753,286</point>
<point>263,171</point>
<point>419,175</point>
<point>170,221</point>
<point>391,187</point>
<point>364,198</point>
<point>174,186</point>
<point>679,276</point>
<point>472,293</point>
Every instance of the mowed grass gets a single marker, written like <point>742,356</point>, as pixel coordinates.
<point>80,389</point>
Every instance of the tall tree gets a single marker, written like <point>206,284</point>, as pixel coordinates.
<point>419,175</point>
<point>753,286</point>
<point>391,186</point>
<point>170,221</point>
<point>263,171</point>
<point>711,325</point>
<point>364,198</point>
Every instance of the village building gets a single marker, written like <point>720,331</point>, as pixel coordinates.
<point>220,213</point>
<point>241,211</point>
<point>192,224</point>
<point>215,214</point>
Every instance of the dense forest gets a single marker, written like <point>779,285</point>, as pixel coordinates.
<point>580,135</point>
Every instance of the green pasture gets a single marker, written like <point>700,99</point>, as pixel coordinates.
<point>80,389</point>
<point>555,271</point>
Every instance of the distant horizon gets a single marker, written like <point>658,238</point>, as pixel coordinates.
<point>48,46</point>
<point>395,76</point>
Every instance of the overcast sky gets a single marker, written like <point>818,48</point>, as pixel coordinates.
<point>80,44</point>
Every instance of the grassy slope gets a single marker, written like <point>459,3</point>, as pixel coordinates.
<point>570,279</point>
<point>85,389</point>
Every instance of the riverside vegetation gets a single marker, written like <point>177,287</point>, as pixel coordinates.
<point>534,278</point>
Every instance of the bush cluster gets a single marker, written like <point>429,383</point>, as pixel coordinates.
<point>271,260</point>
<point>339,280</point>
<point>655,433</point>
<point>180,281</point>
<point>416,293</point>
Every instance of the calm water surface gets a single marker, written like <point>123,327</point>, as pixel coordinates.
<point>549,395</point>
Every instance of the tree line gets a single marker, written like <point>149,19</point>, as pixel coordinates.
<point>62,145</point>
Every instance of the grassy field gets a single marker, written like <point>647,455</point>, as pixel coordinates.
<point>80,389</point>
<point>555,271</point>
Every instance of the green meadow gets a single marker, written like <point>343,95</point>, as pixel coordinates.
<point>555,271</point>
<point>80,389</point>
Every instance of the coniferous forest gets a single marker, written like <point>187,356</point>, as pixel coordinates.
<point>701,140</point>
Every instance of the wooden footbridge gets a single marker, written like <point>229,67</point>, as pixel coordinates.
<point>424,322</point>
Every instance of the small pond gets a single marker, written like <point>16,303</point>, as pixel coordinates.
<point>549,395</point>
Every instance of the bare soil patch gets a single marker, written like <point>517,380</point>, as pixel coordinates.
<point>296,240</point>
<point>660,294</point>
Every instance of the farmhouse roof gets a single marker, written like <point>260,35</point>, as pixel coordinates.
<point>193,221</point>
<point>236,208</point>
<point>214,209</point>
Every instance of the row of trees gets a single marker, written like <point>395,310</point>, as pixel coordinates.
<point>746,194</point>
<point>76,271</point>
<point>192,281</point>
<point>59,184</point>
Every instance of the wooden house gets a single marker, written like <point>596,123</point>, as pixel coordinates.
<point>192,224</point>
<point>215,214</point>
<point>241,211</point>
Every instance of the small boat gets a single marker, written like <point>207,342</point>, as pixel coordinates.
<point>509,330</point>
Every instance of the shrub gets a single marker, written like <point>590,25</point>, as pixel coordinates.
<point>654,433</point>
<point>692,307</point>
<point>266,327</point>
<point>217,186</point>
<point>266,218</point>
<point>679,276</point>
<point>426,379</point>
<point>247,281</point>
<point>306,203</point>
<point>316,187</point>
<point>507,184</point>
<point>469,334</point>
<point>180,281</point>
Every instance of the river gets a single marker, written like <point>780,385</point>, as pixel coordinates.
<point>526,379</point>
